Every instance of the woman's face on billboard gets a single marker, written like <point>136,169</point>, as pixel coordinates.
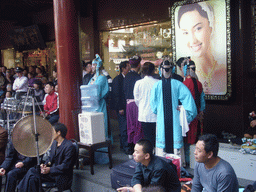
<point>196,32</point>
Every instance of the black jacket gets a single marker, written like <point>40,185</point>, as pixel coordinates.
<point>118,99</point>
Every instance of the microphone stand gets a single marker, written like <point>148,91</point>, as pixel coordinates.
<point>8,128</point>
<point>37,146</point>
<point>36,136</point>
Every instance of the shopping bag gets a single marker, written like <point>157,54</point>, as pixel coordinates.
<point>176,160</point>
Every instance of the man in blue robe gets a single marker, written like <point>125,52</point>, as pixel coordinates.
<point>164,99</point>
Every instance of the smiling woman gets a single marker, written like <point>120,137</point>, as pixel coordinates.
<point>196,36</point>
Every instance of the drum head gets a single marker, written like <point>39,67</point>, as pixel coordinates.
<point>23,136</point>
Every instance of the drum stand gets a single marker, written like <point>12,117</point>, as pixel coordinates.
<point>8,112</point>
<point>8,107</point>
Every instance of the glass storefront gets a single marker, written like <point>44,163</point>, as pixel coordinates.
<point>148,41</point>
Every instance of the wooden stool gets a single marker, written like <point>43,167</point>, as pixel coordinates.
<point>93,147</point>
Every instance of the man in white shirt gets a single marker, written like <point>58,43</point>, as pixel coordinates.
<point>142,93</point>
<point>20,85</point>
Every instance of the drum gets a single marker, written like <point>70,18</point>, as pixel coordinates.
<point>9,104</point>
<point>26,104</point>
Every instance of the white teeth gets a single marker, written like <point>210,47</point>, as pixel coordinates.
<point>196,48</point>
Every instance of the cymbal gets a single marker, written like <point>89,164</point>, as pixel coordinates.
<point>23,136</point>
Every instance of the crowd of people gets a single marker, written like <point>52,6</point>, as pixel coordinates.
<point>144,101</point>
<point>31,81</point>
<point>17,84</point>
<point>163,114</point>
<point>158,114</point>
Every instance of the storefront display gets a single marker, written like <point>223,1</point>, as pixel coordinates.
<point>148,41</point>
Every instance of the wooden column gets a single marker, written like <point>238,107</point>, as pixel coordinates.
<point>68,62</point>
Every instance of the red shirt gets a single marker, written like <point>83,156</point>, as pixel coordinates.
<point>52,103</point>
<point>189,83</point>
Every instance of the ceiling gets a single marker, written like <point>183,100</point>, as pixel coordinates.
<point>19,11</point>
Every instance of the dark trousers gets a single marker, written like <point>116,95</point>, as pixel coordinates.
<point>53,118</point>
<point>12,177</point>
<point>149,130</point>
<point>30,182</point>
<point>123,131</point>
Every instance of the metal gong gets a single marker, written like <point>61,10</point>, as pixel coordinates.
<point>23,136</point>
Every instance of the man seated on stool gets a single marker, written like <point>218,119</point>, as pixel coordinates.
<point>15,166</point>
<point>151,170</point>
<point>211,172</point>
<point>58,168</point>
<point>51,104</point>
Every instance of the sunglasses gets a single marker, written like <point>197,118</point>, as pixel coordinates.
<point>193,68</point>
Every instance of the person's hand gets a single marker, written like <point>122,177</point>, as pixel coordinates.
<point>2,171</point>
<point>125,189</point>
<point>178,108</point>
<point>19,165</point>
<point>253,123</point>
<point>121,112</point>
<point>252,114</point>
<point>45,170</point>
<point>42,114</point>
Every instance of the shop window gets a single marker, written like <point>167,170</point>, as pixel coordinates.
<point>148,41</point>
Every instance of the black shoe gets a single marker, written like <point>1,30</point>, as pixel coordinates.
<point>127,152</point>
